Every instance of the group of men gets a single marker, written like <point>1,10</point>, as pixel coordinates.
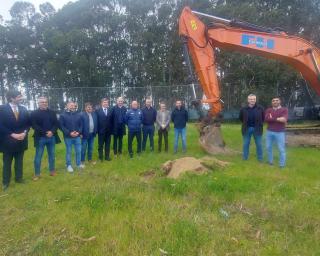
<point>253,117</point>
<point>80,129</point>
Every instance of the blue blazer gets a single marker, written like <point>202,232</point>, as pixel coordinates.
<point>9,124</point>
<point>85,124</point>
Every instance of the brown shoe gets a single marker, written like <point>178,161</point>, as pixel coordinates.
<point>35,178</point>
<point>53,173</point>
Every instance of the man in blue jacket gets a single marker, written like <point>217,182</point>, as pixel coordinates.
<point>179,117</point>
<point>89,131</point>
<point>71,126</point>
<point>134,120</point>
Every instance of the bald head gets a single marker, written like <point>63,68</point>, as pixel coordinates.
<point>134,104</point>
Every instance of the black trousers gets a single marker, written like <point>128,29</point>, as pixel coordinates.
<point>18,166</point>
<point>163,133</point>
<point>104,144</point>
<point>131,136</point>
<point>117,144</point>
<point>147,131</point>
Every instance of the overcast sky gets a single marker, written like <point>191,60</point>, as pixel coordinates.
<point>5,5</point>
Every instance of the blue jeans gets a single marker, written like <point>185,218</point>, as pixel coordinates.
<point>280,139</point>
<point>180,132</point>
<point>246,144</point>
<point>77,146</point>
<point>50,143</point>
<point>87,144</point>
<point>148,130</point>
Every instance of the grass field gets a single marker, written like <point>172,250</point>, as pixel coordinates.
<point>247,208</point>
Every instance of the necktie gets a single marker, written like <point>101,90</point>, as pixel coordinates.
<point>106,111</point>
<point>15,112</point>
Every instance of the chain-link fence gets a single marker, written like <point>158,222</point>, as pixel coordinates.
<point>58,97</point>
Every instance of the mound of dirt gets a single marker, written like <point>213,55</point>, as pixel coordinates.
<point>173,169</point>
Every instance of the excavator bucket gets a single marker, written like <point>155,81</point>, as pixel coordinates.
<point>211,139</point>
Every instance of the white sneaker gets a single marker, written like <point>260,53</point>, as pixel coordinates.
<point>69,168</point>
<point>82,166</point>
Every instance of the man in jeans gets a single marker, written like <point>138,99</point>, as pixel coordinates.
<point>276,117</point>
<point>149,117</point>
<point>45,125</point>
<point>163,126</point>
<point>134,120</point>
<point>89,131</point>
<point>252,117</point>
<point>179,117</point>
<point>71,126</point>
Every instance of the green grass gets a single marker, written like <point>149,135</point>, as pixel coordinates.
<point>247,208</point>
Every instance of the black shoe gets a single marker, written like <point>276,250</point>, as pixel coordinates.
<point>5,187</point>
<point>107,159</point>
<point>131,155</point>
<point>21,181</point>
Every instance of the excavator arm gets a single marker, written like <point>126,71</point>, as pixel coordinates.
<point>200,41</point>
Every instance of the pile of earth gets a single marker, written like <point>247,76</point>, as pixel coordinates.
<point>175,168</point>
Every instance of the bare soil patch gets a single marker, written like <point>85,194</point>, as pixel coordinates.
<point>306,140</point>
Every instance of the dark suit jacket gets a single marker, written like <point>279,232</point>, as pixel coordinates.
<point>37,125</point>
<point>118,120</point>
<point>104,121</point>
<point>85,124</point>
<point>9,124</point>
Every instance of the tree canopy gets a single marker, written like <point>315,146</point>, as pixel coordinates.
<point>122,44</point>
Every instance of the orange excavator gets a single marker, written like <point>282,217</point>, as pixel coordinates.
<point>200,41</point>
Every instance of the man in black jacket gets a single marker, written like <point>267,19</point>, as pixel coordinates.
<point>149,115</point>
<point>179,117</point>
<point>14,126</point>
<point>252,118</point>
<point>104,116</point>
<point>118,126</point>
<point>45,125</point>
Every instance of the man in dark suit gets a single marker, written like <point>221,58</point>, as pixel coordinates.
<point>118,126</point>
<point>14,126</point>
<point>104,116</point>
<point>45,125</point>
